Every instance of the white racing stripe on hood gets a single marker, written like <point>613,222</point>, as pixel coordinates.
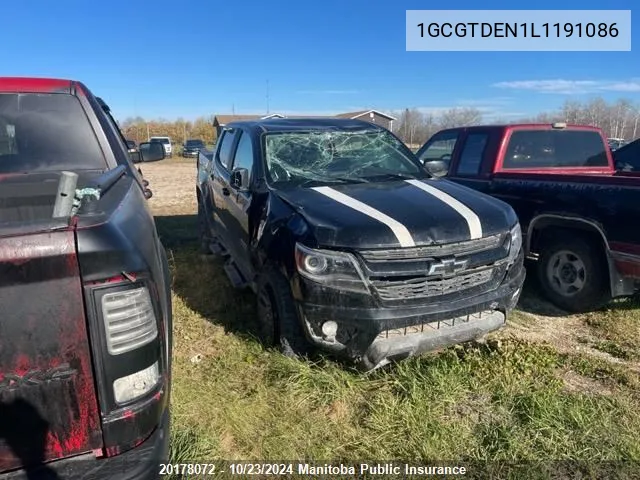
<point>473,221</point>
<point>400,231</point>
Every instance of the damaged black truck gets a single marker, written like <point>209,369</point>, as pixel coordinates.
<point>350,245</point>
<point>85,329</point>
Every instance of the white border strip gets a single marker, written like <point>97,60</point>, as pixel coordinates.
<point>400,231</point>
<point>473,221</point>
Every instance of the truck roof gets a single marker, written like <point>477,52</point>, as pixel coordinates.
<point>510,126</point>
<point>305,124</point>
<point>35,85</point>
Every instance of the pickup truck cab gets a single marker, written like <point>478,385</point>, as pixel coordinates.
<point>85,331</point>
<point>191,147</point>
<point>577,213</point>
<point>349,243</point>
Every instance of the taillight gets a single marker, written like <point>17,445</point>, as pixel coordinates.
<point>129,320</point>
<point>129,340</point>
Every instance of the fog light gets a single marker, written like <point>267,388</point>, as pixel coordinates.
<point>136,385</point>
<point>329,329</point>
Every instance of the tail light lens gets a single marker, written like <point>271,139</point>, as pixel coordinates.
<point>129,320</point>
<point>136,385</point>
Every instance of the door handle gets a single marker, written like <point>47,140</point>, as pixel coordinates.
<point>225,191</point>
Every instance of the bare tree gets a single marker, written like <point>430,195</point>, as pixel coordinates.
<point>460,117</point>
<point>635,112</point>
<point>410,122</point>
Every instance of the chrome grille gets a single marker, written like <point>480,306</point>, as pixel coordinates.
<point>419,253</point>
<point>398,289</point>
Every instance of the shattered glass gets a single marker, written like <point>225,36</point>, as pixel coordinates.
<point>337,156</point>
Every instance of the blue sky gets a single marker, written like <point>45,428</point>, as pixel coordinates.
<point>203,57</point>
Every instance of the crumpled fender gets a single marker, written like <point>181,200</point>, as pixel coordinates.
<point>277,226</point>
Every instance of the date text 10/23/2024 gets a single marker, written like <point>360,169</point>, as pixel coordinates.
<point>518,30</point>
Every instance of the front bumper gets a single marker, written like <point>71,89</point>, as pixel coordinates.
<point>139,463</point>
<point>189,154</point>
<point>374,336</point>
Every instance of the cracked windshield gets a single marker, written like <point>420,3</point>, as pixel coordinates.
<point>314,158</point>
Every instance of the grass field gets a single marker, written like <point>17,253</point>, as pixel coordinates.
<point>547,387</point>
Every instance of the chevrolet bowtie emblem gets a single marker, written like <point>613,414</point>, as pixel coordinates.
<point>447,266</point>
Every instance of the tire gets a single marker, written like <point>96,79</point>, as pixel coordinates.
<point>278,321</point>
<point>573,273</point>
<point>203,230</point>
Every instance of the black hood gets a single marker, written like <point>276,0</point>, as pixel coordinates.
<point>398,213</point>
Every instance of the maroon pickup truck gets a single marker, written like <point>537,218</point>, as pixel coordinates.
<point>578,214</point>
<point>86,322</point>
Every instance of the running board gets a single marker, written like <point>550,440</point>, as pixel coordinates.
<point>217,249</point>
<point>235,277</point>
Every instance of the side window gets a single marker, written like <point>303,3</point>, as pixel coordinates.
<point>244,153</point>
<point>226,146</point>
<point>472,153</point>
<point>440,147</point>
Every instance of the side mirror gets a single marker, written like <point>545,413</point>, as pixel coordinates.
<point>151,151</point>
<point>240,179</point>
<point>437,168</point>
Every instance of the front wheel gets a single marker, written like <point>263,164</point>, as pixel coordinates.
<point>573,273</point>
<point>278,321</point>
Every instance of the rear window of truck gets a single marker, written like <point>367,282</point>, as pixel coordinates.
<point>555,149</point>
<point>46,132</point>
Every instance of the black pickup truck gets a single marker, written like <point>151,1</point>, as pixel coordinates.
<point>85,331</point>
<point>577,212</point>
<point>627,159</point>
<point>349,243</point>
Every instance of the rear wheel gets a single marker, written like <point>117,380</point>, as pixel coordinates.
<point>278,320</point>
<point>573,273</point>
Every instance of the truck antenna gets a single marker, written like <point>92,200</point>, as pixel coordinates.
<point>267,97</point>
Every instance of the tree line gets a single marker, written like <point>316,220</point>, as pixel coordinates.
<point>620,119</point>
<point>139,129</point>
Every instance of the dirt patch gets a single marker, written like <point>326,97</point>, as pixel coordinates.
<point>576,383</point>
<point>567,334</point>
<point>173,184</point>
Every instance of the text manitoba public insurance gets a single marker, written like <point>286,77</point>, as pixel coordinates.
<point>378,469</point>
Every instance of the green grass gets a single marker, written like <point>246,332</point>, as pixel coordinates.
<point>618,329</point>
<point>506,402</point>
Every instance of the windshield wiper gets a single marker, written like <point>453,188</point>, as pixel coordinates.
<point>399,176</point>
<point>311,181</point>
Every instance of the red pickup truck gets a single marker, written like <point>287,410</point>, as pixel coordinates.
<point>578,215</point>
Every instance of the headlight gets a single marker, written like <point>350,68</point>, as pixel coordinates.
<point>337,270</point>
<point>516,242</point>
